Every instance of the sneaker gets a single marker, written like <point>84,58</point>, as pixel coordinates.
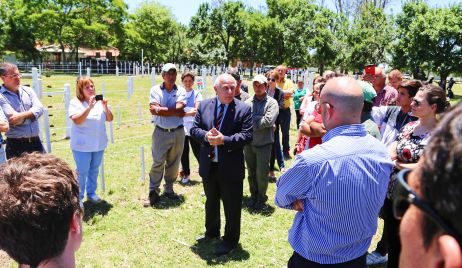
<point>94,199</point>
<point>374,258</point>
<point>283,169</point>
<point>185,179</point>
<point>287,156</point>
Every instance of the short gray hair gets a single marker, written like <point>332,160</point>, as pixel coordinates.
<point>223,77</point>
<point>6,66</point>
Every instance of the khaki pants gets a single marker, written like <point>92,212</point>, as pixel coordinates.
<point>167,148</point>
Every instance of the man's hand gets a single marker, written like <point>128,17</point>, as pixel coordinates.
<point>297,205</point>
<point>215,137</point>
<point>16,119</point>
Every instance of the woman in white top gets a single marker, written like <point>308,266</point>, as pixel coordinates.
<point>88,136</point>
<point>193,97</point>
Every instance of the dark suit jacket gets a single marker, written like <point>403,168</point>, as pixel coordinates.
<point>279,97</point>
<point>237,129</point>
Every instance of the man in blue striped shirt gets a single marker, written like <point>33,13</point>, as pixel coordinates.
<point>337,187</point>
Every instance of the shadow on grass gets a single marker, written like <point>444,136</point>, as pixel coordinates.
<point>267,210</point>
<point>166,203</point>
<point>96,209</point>
<point>205,250</point>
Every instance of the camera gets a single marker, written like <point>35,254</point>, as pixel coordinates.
<point>99,97</point>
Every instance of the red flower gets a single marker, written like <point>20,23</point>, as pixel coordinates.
<point>407,153</point>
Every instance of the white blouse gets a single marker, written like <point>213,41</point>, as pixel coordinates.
<point>90,136</point>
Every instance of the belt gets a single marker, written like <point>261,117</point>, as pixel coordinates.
<point>30,139</point>
<point>170,129</point>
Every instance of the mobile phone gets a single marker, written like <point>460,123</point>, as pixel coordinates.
<point>370,69</point>
<point>99,97</point>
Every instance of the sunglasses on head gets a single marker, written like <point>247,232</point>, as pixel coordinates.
<point>404,196</point>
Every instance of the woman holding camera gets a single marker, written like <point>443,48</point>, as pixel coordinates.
<point>88,112</point>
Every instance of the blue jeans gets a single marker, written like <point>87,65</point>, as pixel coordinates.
<point>2,155</point>
<point>285,116</point>
<point>87,171</point>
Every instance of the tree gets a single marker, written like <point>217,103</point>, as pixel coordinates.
<point>151,28</point>
<point>221,28</point>
<point>370,37</point>
<point>430,39</point>
<point>76,23</point>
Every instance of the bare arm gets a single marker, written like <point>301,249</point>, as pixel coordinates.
<point>79,118</point>
<point>156,109</point>
<point>317,129</point>
<point>4,126</point>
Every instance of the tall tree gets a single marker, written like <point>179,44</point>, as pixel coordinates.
<point>152,28</point>
<point>221,28</point>
<point>370,37</point>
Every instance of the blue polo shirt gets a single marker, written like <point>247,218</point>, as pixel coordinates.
<point>24,100</point>
<point>167,99</point>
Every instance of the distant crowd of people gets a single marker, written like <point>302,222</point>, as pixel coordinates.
<point>365,149</point>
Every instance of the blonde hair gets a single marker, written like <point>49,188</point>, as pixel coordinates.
<point>81,83</point>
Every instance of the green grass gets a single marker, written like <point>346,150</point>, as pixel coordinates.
<point>121,233</point>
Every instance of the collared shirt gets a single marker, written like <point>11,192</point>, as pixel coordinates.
<point>287,84</point>
<point>25,100</point>
<point>89,136</point>
<point>342,184</point>
<point>2,119</point>
<point>217,111</point>
<point>386,97</point>
<point>159,94</point>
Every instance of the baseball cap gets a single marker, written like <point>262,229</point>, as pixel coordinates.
<point>260,79</point>
<point>369,93</point>
<point>167,67</point>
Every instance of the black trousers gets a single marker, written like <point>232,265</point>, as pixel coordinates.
<point>230,192</point>
<point>297,261</point>
<point>16,147</point>
<point>195,146</point>
<point>299,117</point>
<point>392,234</point>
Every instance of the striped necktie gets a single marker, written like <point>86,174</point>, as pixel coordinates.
<point>219,117</point>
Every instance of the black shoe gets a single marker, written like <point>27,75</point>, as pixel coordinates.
<point>251,202</point>
<point>172,196</point>
<point>287,156</point>
<point>205,238</point>
<point>223,249</point>
<point>259,205</point>
<point>153,199</point>
<point>272,179</point>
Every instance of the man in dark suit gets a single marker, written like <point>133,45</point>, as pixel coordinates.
<point>223,125</point>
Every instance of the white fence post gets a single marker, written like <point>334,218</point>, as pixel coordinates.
<point>111,128</point>
<point>130,86</point>
<point>88,71</point>
<point>117,71</point>
<point>46,127</point>
<point>35,84</point>
<point>80,69</point>
<point>67,100</point>
<point>153,76</point>
<point>103,88</point>
<point>142,163</point>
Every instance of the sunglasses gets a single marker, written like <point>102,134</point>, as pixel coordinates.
<point>271,80</point>
<point>404,196</point>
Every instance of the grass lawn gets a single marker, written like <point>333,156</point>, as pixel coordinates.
<point>121,233</point>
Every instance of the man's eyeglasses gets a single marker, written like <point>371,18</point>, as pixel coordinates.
<point>404,196</point>
<point>14,75</point>
<point>271,80</point>
<point>417,103</point>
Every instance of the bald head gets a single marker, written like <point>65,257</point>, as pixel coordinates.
<point>342,100</point>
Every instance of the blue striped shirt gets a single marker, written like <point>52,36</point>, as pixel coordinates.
<point>342,183</point>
